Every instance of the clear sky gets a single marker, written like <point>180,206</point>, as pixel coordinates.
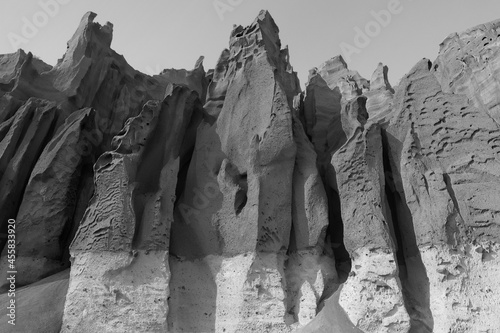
<point>157,34</point>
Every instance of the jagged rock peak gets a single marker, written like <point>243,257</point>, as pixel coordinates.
<point>263,31</point>
<point>335,62</point>
<point>199,62</point>
<point>90,43</point>
<point>258,42</point>
<point>89,29</point>
<point>335,69</point>
<point>379,78</point>
<point>263,27</point>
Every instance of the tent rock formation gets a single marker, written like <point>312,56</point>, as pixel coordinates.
<point>232,201</point>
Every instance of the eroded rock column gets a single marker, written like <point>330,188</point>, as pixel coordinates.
<point>372,296</point>
<point>233,223</point>
<point>120,273</point>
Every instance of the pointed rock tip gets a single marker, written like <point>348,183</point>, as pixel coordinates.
<point>105,33</point>
<point>380,78</point>
<point>199,62</point>
<point>265,17</point>
<point>20,54</point>
<point>334,62</point>
<point>381,70</point>
<point>264,13</point>
<point>88,17</point>
<point>423,65</point>
<point>88,20</point>
<point>340,59</point>
<point>263,26</point>
<point>265,21</point>
<point>312,72</point>
<point>421,68</point>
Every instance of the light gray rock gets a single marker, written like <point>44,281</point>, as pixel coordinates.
<point>469,64</point>
<point>380,96</point>
<point>125,230</point>
<point>445,165</point>
<point>372,296</point>
<point>335,70</point>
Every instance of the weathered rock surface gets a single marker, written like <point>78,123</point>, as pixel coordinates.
<point>469,64</point>
<point>20,148</point>
<point>445,168</point>
<point>49,144</point>
<point>231,201</point>
<point>195,79</point>
<point>380,96</point>
<point>47,209</point>
<point>240,200</point>
<point>125,231</point>
<point>372,295</point>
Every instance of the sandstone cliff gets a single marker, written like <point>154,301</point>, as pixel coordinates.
<point>232,201</point>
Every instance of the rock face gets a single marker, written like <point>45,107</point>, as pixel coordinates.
<point>125,230</point>
<point>469,64</point>
<point>251,180</point>
<point>49,201</point>
<point>445,164</point>
<point>372,296</point>
<point>232,201</point>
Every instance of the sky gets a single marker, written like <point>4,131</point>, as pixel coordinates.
<point>157,34</point>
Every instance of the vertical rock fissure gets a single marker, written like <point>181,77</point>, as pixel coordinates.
<point>182,175</point>
<point>241,195</point>
<point>451,192</point>
<point>452,227</point>
<point>393,200</point>
<point>412,272</point>
<point>148,173</point>
<point>335,233</point>
<point>84,192</point>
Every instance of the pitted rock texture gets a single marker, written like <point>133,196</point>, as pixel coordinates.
<point>229,200</point>
<point>469,64</point>
<point>444,157</point>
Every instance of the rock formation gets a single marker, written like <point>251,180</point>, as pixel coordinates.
<point>232,201</point>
